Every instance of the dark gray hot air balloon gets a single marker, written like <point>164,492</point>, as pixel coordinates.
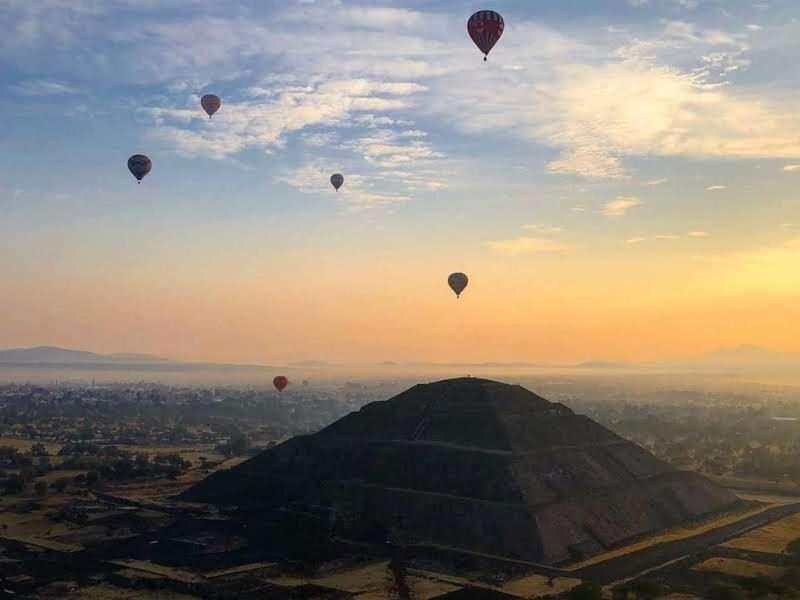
<point>457,283</point>
<point>139,165</point>
<point>336,181</point>
<point>210,104</point>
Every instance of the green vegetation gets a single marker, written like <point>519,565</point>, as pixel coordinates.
<point>640,589</point>
<point>723,591</point>
<point>793,548</point>
<point>586,591</point>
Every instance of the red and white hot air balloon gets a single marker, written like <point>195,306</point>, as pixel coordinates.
<point>280,383</point>
<point>485,27</point>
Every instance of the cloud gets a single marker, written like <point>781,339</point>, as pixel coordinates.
<point>791,168</point>
<point>618,207</point>
<point>543,229</point>
<point>697,234</point>
<point>43,87</point>
<point>599,106</point>
<point>635,240</point>
<point>716,188</point>
<point>786,225</point>
<point>667,237</point>
<point>359,192</point>
<point>656,181</point>
<point>578,209</point>
<point>319,140</point>
<point>289,107</point>
<point>527,245</point>
<point>393,149</point>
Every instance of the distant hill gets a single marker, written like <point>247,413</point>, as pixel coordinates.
<point>55,355</point>
<point>44,357</point>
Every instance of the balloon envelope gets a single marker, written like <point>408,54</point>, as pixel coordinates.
<point>210,104</point>
<point>337,180</point>
<point>485,27</point>
<point>457,283</point>
<point>139,165</point>
<point>280,383</point>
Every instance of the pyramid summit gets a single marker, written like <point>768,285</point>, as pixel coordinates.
<point>472,465</point>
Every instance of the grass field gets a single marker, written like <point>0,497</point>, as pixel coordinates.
<point>739,568</point>
<point>770,538</point>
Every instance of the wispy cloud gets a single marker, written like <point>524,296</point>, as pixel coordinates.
<point>697,234</point>
<point>656,181</point>
<point>791,168</point>
<point>618,207</point>
<point>358,193</point>
<point>527,245</point>
<point>265,121</point>
<point>544,229</point>
<point>635,240</point>
<point>43,87</point>
<point>667,237</point>
<point>716,188</point>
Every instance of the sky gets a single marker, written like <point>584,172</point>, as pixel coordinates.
<point>618,180</point>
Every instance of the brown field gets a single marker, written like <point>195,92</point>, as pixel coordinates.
<point>770,538</point>
<point>739,568</point>
<point>25,445</point>
<point>535,586</point>
<point>190,453</point>
<point>372,582</point>
<point>110,592</point>
<point>34,524</point>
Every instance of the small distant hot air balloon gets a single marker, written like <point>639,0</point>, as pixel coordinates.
<point>280,383</point>
<point>139,165</point>
<point>336,181</point>
<point>485,27</point>
<point>210,104</point>
<point>457,283</point>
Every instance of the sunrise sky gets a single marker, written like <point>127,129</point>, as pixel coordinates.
<point>619,180</point>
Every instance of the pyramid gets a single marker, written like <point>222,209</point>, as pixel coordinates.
<point>472,465</point>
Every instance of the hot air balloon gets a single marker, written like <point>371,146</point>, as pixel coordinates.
<point>210,104</point>
<point>485,27</point>
<point>139,165</point>
<point>457,283</point>
<point>280,383</point>
<point>336,181</point>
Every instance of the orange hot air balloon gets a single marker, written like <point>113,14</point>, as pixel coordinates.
<point>280,383</point>
<point>210,104</point>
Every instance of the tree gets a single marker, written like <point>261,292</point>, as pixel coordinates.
<point>40,487</point>
<point>92,477</point>
<point>61,484</point>
<point>586,591</point>
<point>721,591</point>
<point>38,449</point>
<point>14,485</point>
<point>793,548</point>
<point>646,589</point>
